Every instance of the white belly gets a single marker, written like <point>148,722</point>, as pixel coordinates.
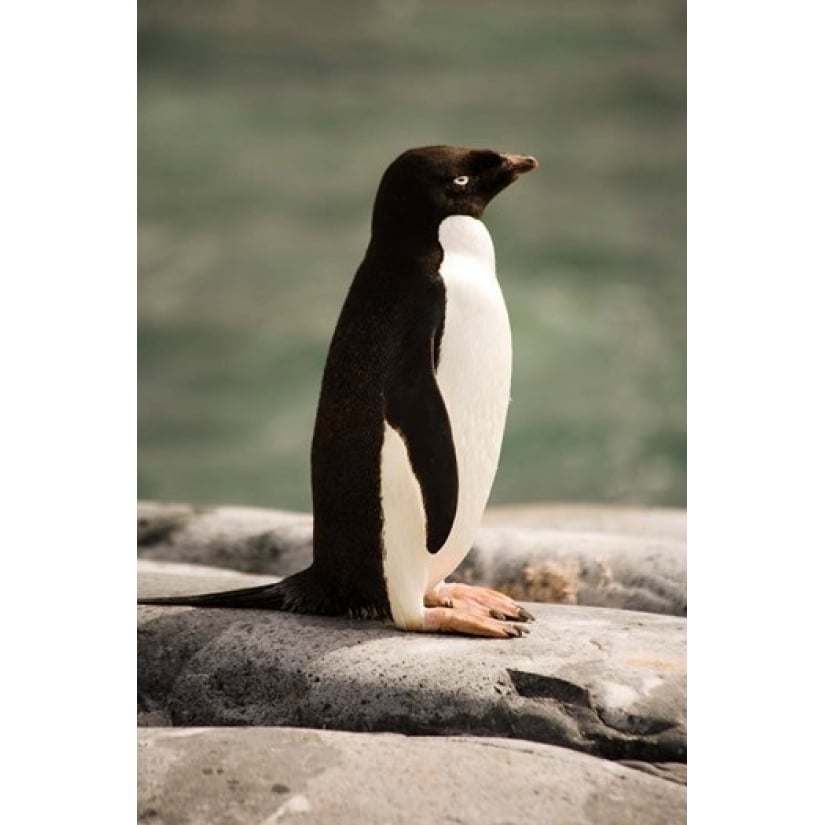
<point>474,378</point>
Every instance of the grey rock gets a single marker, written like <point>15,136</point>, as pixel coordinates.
<point>605,682</point>
<point>249,539</point>
<point>653,522</point>
<point>627,558</point>
<point>267,776</point>
<point>625,571</point>
<point>673,771</point>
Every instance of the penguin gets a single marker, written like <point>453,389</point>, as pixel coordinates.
<point>411,413</point>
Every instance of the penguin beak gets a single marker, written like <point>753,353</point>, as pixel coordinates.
<point>509,169</point>
<point>519,164</point>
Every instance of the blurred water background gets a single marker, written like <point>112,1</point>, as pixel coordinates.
<point>263,130</point>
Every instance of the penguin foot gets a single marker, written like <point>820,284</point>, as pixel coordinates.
<point>469,622</point>
<point>491,602</point>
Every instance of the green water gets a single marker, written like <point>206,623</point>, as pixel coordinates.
<point>263,130</point>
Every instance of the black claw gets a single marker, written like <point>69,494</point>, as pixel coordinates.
<point>526,615</point>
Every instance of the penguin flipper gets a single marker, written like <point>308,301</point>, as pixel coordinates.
<point>415,409</point>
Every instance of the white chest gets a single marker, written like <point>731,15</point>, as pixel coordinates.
<point>473,373</point>
<point>476,352</point>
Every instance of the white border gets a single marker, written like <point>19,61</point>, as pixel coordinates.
<point>68,437</point>
<point>755,408</point>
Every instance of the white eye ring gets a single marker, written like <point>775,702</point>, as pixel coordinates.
<point>461,180</point>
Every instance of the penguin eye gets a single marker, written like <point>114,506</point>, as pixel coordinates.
<point>461,180</point>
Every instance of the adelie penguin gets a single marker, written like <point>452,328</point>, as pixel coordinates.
<point>412,409</point>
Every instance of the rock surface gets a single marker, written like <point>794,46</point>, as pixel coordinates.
<point>605,682</point>
<point>267,776</point>
<point>249,539</point>
<point>583,721</point>
<point>573,554</point>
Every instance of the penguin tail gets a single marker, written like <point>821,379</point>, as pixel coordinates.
<point>295,594</point>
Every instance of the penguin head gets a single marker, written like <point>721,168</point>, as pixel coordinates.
<point>424,186</point>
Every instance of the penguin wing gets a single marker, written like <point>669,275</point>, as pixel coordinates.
<point>415,409</point>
